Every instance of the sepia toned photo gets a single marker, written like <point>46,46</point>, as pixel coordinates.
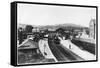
<point>54,34</point>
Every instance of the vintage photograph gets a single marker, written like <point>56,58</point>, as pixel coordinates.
<point>53,33</point>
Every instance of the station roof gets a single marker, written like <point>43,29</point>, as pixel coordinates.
<point>28,44</point>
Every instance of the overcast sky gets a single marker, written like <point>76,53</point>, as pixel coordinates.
<point>50,15</point>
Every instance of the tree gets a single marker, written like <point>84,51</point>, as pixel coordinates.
<point>28,28</point>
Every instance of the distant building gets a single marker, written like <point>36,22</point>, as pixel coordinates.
<point>84,34</point>
<point>36,29</point>
<point>51,29</point>
<point>92,26</point>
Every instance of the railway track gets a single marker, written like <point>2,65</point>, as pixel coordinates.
<point>90,47</point>
<point>62,53</point>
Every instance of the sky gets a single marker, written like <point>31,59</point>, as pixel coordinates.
<point>34,14</point>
